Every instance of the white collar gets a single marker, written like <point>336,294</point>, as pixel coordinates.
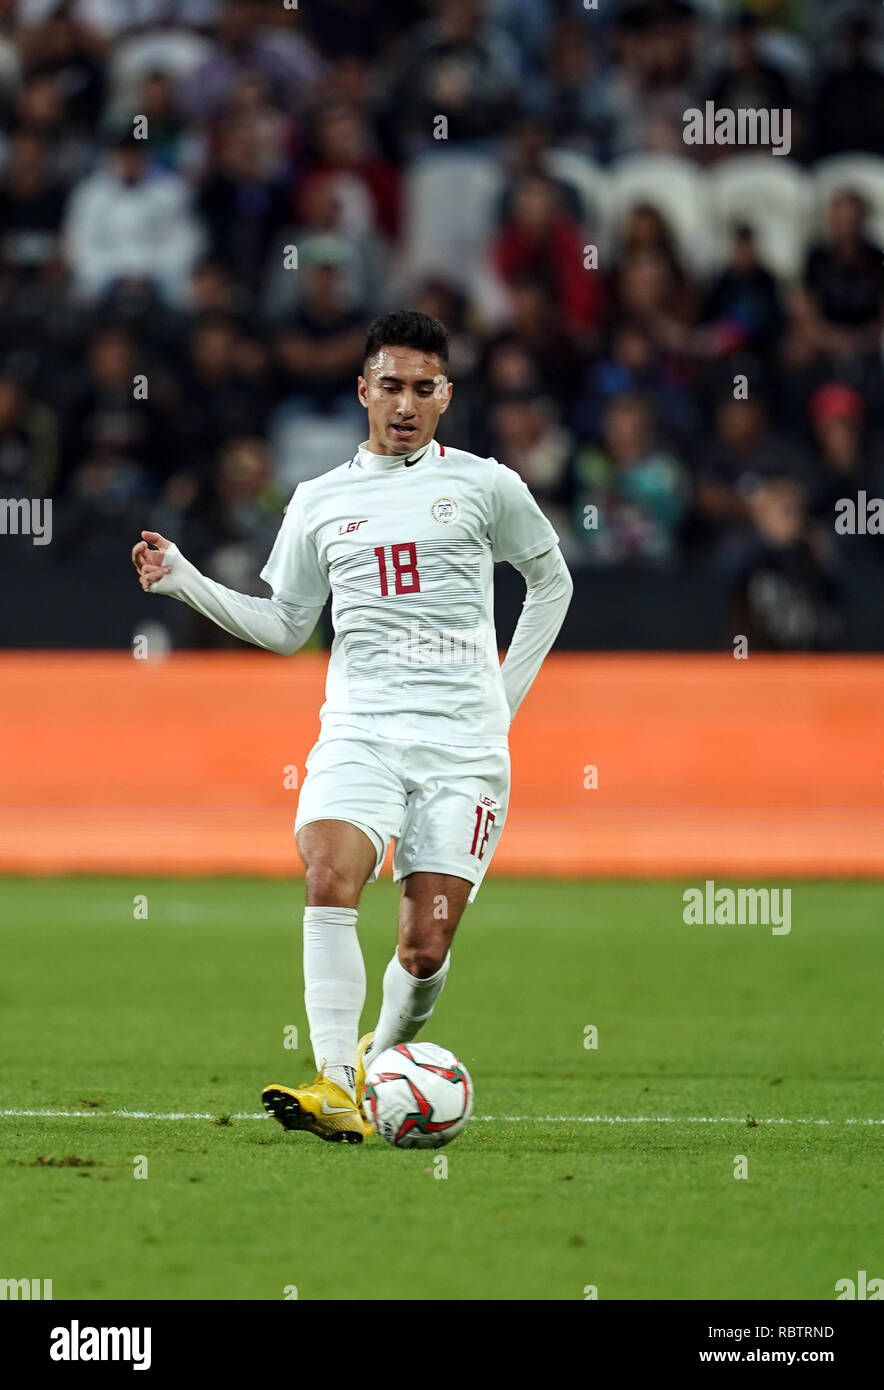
<point>391,463</point>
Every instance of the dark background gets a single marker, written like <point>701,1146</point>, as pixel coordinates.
<point>608,387</point>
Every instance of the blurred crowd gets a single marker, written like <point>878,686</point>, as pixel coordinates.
<point>203,203</point>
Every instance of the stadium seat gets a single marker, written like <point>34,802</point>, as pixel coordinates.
<point>175,53</point>
<point>676,188</point>
<point>593,186</point>
<point>450,202</point>
<point>304,446</point>
<point>775,198</point>
<point>863,173</point>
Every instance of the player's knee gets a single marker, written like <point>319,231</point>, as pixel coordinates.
<point>330,885</point>
<point>423,960</point>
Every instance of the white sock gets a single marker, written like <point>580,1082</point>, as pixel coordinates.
<point>407,1004</point>
<point>334,990</point>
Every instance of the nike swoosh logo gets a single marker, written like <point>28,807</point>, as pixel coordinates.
<point>335,1110</point>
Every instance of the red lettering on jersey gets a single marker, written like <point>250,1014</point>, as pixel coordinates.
<point>478,846</point>
<point>404,561</point>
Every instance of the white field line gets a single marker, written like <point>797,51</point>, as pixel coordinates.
<point>97,1113</point>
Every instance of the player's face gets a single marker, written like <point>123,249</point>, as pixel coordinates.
<point>405,391</point>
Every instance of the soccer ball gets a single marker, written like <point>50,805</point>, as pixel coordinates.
<point>418,1095</point>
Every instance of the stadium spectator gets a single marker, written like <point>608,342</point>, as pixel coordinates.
<point>246,41</point>
<point>742,310</point>
<point>528,26</point>
<point>243,207</point>
<point>128,223</point>
<point>364,253</point>
<point>277,137</point>
<point>646,229</point>
<point>635,367</point>
<point>365,184</point>
<point>528,437</point>
<point>649,290</point>
<point>569,97</point>
<point>648,264</point>
<point>319,352</point>
<point>744,451</point>
<point>220,398</point>
<point>29,446</point>
<point>165,135</point>
<point>527,153</point>
<point>540,240</point>
<point>103,495</point>
<point>631,492</point>
<point>509,369</point>
<point>212,289</point>
<point>750,81</point>
<point>838,311</point>
<point>542,336</point>
<point>443,301</point>
<point>108,425</point>
<point>459,64</point>
<point>848,111</point>
<point>231,520</point>
<point>31,205</point>
<point>785,584</point>
<point>62,49</point>
<point>653,79</point>
<point>40,108</point>
<point>848,458</point>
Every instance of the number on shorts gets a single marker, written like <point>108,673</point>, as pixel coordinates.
<point>403,558</point>
<point>478,846</point>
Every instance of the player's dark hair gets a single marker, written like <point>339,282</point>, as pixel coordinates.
<point>408,328</point>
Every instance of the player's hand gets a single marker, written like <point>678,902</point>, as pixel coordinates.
<point>151,563</point>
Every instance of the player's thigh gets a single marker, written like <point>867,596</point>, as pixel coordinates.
<point>349,808</point>
<point>457,804</point>
<point>430,908</point>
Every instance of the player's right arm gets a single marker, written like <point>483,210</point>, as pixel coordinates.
<point>279,624</point>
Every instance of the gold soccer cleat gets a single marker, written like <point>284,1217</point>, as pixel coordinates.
<point>321,1108</point>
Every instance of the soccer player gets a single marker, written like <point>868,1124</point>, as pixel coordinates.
<point>413,742</point>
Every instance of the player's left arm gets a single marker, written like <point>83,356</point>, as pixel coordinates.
<point>522,535</point>
<point>549,587</point>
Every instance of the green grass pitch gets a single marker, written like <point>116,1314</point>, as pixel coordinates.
<point>707,1032</point>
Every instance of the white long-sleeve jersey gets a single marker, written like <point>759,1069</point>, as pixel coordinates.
<point>406,546</point>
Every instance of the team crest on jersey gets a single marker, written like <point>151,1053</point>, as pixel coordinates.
<point>445,510</point>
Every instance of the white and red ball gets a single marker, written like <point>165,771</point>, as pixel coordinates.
<point>418,1095</point>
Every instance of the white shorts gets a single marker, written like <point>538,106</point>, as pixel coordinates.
<point>444,806</point>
